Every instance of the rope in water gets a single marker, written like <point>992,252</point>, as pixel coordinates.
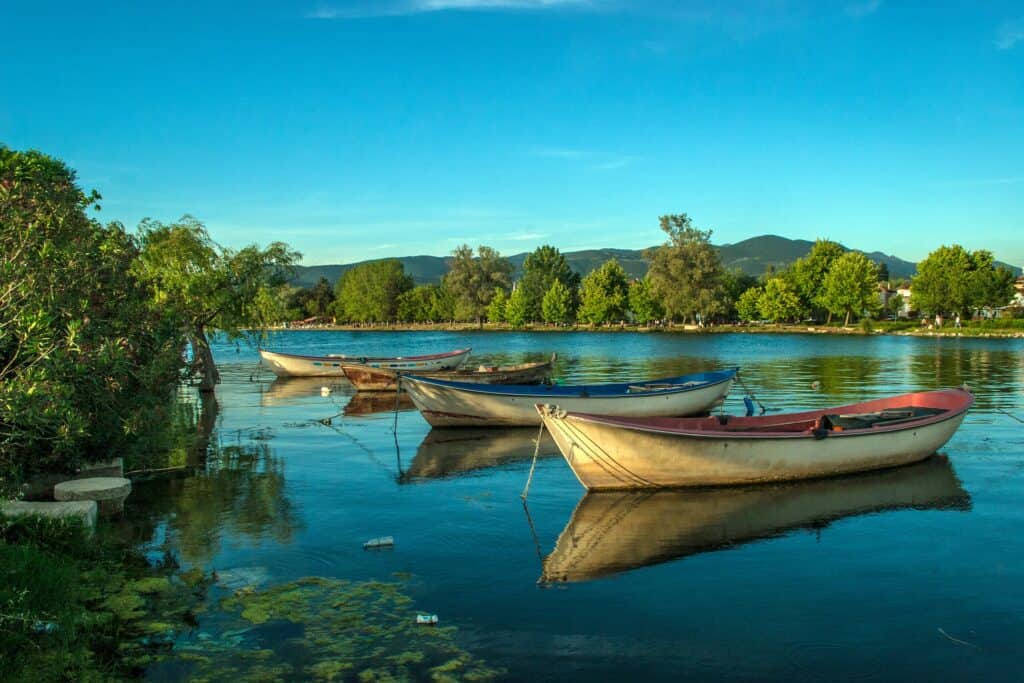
<point>533,464</point>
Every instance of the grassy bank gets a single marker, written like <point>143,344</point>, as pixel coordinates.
<point>75,607</point>
<point>987,328</point>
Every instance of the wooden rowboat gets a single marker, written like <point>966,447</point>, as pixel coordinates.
<point>616,531</point>
<point>445,403</point>
<point>607,452</point>
<point>369,378</point>
<point>292,365</point>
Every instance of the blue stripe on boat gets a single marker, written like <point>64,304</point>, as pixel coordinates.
<point>544,391</point>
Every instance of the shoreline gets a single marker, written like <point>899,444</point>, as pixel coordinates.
<point>771,328</point>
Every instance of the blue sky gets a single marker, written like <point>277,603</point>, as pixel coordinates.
<point>358,129</point>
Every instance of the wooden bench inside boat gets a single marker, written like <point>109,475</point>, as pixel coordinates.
<point>827,422</point>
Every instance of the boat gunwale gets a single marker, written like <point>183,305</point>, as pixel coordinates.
<point>368,359</point>
<point>530,389</point>
<point>636,425</point>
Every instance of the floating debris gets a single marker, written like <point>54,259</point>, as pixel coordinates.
<point>380,542</point>
<point>427,619</point>
<point>325,391</point>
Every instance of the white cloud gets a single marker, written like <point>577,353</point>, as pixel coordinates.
<point>384,8</point>
<point>1009,34</point>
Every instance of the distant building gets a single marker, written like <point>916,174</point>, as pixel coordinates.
<point>905,310</point>
<point>1018,294</point>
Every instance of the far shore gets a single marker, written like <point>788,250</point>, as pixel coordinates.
<point>876,328</point>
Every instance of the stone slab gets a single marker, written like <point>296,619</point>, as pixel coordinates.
<point>86,510</point>
<point>108,492</point>
<point>93,488</point>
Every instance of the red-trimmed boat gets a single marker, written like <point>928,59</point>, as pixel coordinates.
<point>292,365</point>
<point>608,452</point>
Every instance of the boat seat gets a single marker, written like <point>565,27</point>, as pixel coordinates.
<point>886,416</point>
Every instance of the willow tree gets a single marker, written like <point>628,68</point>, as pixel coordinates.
<point>209,286</point>
<point>686,273</point>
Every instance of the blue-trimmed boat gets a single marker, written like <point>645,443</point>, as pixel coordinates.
<point>446,403</point>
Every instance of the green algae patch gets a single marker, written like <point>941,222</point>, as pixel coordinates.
<point>327,630</point>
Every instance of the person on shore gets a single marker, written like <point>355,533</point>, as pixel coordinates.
<point>938,320</point>
<point>956,323</point>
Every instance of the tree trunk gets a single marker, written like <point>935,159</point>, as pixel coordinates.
<point>204,358</point>
<point>204,428</point>
<point>847,322</point>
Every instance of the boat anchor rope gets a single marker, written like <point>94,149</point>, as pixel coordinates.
<point>533,464</point>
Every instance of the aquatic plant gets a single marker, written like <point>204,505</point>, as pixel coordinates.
<point>326,629</point>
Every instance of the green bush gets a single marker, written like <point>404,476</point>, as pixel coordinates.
<point>84,355</point>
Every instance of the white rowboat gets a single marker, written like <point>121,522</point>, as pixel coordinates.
<point>292,365</point>
<point>607,452</point>
<point>445,403</point>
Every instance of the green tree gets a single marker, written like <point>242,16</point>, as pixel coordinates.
<point>321,298</point>
<point>516,309</point>
<point>807,274</point>
<point>369,292</point>
<point>496,309</point>
<point>473,280</point>
<point>736,282</point>
<point>442,303</point>
<point>883,272</point>
<point>604,294</point>
<point>557,306</point>
<point>686,273</point>
<point>748,305</point>
<point>991,286</point>
<point>779,302</point>
<point>416,304</point>
<point>208,286</point>
<point>953,280</point>
<point>541,268</point>
<point>894,305</point>
<point>86,362</point>
<point>642,303</point>
<point>851,286</point>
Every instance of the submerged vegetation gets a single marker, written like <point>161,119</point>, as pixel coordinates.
<point>87,608</point>
<point>333,630</point>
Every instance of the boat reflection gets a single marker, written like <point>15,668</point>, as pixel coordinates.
<point>616,531</point>
<point>291,390</point>
<point>369,403</point>
<point>454,451</point>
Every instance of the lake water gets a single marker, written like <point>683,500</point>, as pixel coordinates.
<point>911,574</point>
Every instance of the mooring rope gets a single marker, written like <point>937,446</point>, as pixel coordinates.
<point>533,464</point>
<point>743,384</point>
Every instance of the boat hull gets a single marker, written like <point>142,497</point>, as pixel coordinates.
<point>444,406</point>
<point>291,365</point>
<point>606,456</point>
<point>368,378</point>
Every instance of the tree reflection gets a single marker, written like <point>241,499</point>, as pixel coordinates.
<point>239,492</point>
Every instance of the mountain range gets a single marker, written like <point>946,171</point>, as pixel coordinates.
<point>753,256</point>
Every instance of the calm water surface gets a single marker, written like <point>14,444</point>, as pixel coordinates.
<point>915,573</point>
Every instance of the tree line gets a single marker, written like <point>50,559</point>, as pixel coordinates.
<point>686,282</point>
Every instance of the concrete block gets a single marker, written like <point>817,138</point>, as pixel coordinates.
<point>86,510</point>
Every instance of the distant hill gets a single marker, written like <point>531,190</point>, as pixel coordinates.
<point>753,256</point>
